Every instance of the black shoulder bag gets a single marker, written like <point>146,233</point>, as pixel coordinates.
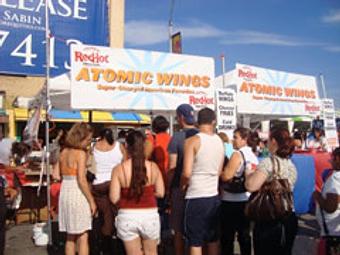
<point>237,183</point>
<point>332,242</point>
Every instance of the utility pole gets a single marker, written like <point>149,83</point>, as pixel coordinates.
<point>170,26</point>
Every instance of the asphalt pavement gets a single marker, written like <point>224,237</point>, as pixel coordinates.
<point>19,239</point>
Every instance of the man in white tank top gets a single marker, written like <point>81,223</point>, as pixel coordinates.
<point>203,161</point>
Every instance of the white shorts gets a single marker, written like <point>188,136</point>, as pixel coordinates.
<point>134,223</point>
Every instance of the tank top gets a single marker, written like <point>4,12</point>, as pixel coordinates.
<point>105,162</point>
<point>251,160</point>
<point>147,200</point>
<point>68,171</point>
<point>207,163</point>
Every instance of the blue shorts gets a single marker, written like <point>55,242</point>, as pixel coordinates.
<point>201,218</point>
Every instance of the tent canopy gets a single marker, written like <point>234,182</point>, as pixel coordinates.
<point>97,116</point>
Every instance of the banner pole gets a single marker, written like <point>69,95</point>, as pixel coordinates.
<point>223,69</point>
<point>216,92</point>
<point>47,124</point>
<point>323,86</point>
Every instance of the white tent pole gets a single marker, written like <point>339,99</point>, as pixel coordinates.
<point>323,86</point>
<point>223,69</point>
<point>171,122</point>
<point>47,124</point>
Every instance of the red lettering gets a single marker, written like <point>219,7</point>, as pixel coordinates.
<point>247,74</point>
<point>200,100</point>
<point>94,57</point>
<point>312,108</point>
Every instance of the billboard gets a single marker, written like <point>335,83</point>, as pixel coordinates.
<point>271,92</point>
<point>124,79</point>
<point>22,33</point>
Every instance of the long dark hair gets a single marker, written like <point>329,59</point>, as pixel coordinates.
<point>135,147</point>
<point>253,141</point>
<point>285,142</point>
<point>107,134</point>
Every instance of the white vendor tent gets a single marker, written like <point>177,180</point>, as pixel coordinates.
<point>265,94</point>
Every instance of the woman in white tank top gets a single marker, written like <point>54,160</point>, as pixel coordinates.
<point>107,154</point>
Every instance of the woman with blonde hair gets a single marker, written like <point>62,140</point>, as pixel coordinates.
<point>76,203</point>
<point>135,185</point>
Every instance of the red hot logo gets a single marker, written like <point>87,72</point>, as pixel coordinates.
<point>312,108</point>
<point>91,56</point>
<point>200,100</point>
<point>247,73</point>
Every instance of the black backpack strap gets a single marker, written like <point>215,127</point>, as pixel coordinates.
<point>243,158</point>
<point>324,222</point>
<point>244,162</point>
<point>190,132</point>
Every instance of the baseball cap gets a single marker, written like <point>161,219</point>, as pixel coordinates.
<point>187,112</point>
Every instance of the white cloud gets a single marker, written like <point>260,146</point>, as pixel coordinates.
<point>150,32</point>
<point>257,37</point>
<point>333,48</point>
<point>201,30</point>
<point>145,32</point>
<point>332,17</point>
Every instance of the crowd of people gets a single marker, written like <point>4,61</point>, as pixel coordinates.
<point>206,188</point>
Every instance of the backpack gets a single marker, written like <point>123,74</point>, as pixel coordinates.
<point>237,183</point>
<point>274,200</point>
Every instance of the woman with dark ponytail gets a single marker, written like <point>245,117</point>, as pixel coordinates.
<point>105,155</point>
<point>135,184</point>
<point>275,236</point>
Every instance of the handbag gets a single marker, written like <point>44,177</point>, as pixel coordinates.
<point>274,200</point>
<point>237,183</point>
<point>331,243</point>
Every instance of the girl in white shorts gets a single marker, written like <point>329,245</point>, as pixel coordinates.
<point>135,185</point>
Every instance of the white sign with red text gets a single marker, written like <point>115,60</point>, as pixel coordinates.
<point>226,111</point>
<point>124,79</point>
<point>265,91</point>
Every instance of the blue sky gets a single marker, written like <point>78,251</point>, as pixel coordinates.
<point>295,36</point>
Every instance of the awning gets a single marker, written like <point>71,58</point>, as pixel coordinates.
<point>97,116</point>
<point>302,118</point>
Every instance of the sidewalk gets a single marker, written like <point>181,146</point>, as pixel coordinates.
<point>19,240</point>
